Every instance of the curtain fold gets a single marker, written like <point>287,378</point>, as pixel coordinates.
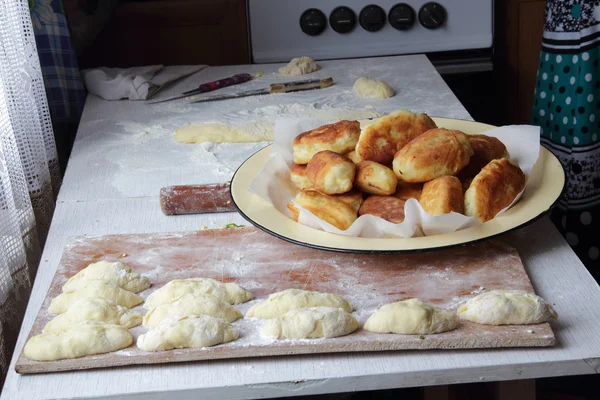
<point>29,169</point>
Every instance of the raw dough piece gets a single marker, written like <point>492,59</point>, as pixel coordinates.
<point>191,331</point>
<point>190,304</point>
<point>94,309</point>
<point>290,299</point>
<point>109,291</point>
<point>221,133</point>
<point>310,323</point>
<point>506,307</point>
<point>113,272</point>
<point>300,66</point>
<point>372,88</point>
<point>410,317</point>
<point>79,340</point>
<point>229,292</point>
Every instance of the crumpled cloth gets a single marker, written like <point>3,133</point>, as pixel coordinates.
<point>136,83</point>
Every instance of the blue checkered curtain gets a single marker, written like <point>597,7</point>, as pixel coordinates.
<point>62,80</point>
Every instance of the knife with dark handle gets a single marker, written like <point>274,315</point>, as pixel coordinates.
<point>274,88</point>
<point>196,199</point>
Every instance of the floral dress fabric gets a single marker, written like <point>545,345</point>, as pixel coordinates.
<point>567,108</point>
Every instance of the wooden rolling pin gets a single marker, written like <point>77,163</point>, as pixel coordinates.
<point>196,199</point>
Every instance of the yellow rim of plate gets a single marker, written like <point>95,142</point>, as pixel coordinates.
<point>544,187</point>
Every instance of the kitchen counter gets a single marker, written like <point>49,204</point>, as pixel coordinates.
<point>124,154</point>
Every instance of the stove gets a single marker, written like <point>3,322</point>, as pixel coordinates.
<point>336,29</point>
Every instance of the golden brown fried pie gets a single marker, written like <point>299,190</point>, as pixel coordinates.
<point>353,198</point>
<point>299,178</point>
<point>380,140</point>
<point>435,153</point>
<point>327,208</point>
<point>340,137</point>
<point>493,189</point>
<point>353,155</point>
<point>331,173</point>
<point>405,190</point>
<point>389,208</point>
<point>442,195</point>
<point>374,178</point>
<point>485,149</point>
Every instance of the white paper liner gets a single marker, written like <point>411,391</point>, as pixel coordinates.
<point>273,184</point>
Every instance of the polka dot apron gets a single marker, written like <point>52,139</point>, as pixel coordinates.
<point>567,108</point>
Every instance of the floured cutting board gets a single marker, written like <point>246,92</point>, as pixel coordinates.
<point>264,265</point>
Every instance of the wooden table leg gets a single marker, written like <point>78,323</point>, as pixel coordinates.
<point>515,390</point>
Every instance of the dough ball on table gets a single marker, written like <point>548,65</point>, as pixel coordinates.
<point>187,332</point>
<point>485,149</point>
<point>374,178</point>
<point>435,153</point>
<point>353,155</point>
<point>83,339</point>
<point>389,208</point>
<point>405,190</point>
<point>328,208</point>
<point>493,189</point>
<point>340,137</point>
<point>190,304</point>
<point>353,198</point>
<point>94,309</point>
<point>380,140</point>
<point>506,307</point>
<point>230,292</point>
<point>291,299</point>
<point>310,323</point>
<point>113,272</point>
<point>372,88</point>
<point>410,317</point>
<point>331,173</point>
<point>442,195</point>
<point>300,66</point>
<point>105,290</point>
<point>298,176</point>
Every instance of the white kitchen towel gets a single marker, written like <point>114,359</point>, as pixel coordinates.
<point>136,83</point>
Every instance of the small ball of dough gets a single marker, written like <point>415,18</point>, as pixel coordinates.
<point>300,66</point>
<point>372,88</point>
<point>331,173</point>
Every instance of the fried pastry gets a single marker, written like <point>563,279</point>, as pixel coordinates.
<point>353,198</point>
<point>389,208</point>
<point>435,153</point>
<point>353,155</point>
<point>485,149</point>
<point>299,178</point>
<point>340,137</point>
<point>380,140</point>
<point>442,195</point>
<point>331,173</point>
<point>374,178</point>
<point>328,208</point>
<point>493,189</point>
<point>405,190</point>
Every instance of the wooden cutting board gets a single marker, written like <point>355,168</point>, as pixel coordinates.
<point>264,264</point>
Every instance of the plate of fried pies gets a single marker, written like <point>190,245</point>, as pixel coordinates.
<point>403,182</point>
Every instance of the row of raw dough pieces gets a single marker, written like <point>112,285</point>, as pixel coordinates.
<point>197,312</point>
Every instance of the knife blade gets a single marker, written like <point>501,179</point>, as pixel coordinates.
<point>196,199</point>
<point>209,87</point>
<point>285,87</point>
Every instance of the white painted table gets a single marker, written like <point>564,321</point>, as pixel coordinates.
<point>112,185</point>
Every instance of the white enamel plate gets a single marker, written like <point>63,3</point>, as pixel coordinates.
<point>544,186</point>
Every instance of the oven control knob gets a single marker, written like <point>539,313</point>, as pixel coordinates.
<point>342,19</point>
<point>313,22</point>
<point>432,15</point>
<point>372,18</point>
<point>402,16</point>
